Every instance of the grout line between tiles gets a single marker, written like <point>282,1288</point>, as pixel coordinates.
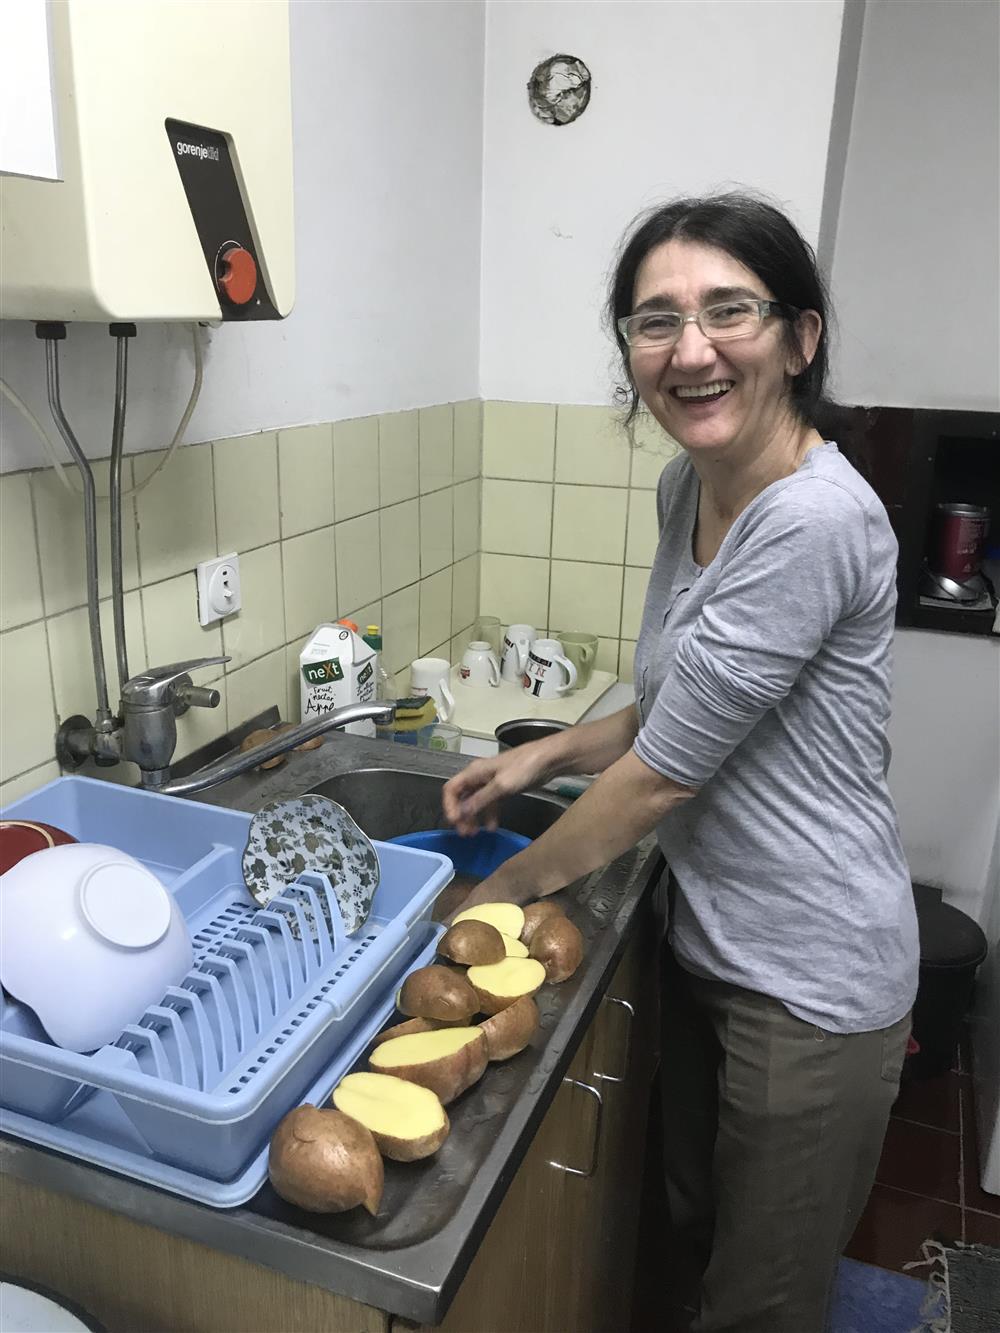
<point>915,1194</point>
<point>15,777</point>
<point>283,705</point>
<point>921,1124</point>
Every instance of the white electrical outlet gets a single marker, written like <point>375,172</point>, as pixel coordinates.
<point>218,588</point>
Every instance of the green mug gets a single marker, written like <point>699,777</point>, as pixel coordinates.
<point>581,649</point>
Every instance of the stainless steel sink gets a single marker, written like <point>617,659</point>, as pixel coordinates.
<point>389,801</point>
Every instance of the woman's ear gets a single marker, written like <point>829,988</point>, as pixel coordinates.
<point>808,327</point>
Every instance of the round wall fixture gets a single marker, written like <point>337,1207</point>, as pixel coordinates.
<point>559,90</point>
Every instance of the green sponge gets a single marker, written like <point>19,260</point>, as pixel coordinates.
<point>412,714</point>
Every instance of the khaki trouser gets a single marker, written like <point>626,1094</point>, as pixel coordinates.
<point>772,1134</point>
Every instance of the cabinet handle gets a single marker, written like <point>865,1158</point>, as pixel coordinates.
<point>573,1170</point>
<point>630,1010</point>
<point>627,1057</point>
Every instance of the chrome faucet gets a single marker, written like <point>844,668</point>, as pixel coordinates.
<point>151,704</point>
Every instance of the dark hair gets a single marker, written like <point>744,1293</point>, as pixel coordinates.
<point>763,239</point>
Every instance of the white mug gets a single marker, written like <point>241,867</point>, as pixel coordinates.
<point>429,676</point>
<point>480,667</point>
<point>548,674</point>
<point>516,646</point>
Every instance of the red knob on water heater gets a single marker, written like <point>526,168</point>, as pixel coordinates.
<point>238,278</point>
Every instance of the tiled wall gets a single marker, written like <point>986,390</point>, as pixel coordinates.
<point>377,519</point>
<point>569,521</point>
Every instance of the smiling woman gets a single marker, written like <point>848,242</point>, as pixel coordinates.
<point>757,751</point>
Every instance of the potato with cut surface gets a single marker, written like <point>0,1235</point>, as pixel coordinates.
<point>325,1162</point>
<point>558,946</point>
<point>500,984</point>
<point>536,913</point>
<point>261,737</point>
<point>508,918</point>
<point>412,1025</point>
<point>407,1121</point>
<point>472,942</point>
<point>514,948</point>
<point>511,1029</point>
<point>447,1061</point>
<point>437,992</point>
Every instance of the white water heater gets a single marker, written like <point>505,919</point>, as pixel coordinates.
<point>175,144</point>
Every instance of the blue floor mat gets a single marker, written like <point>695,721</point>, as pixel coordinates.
<point>875,1300</point>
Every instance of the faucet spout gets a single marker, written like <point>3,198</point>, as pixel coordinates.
<point>233,765</point>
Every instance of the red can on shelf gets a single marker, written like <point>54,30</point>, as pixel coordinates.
<point>958,539</point>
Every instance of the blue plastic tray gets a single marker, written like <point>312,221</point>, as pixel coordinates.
<point>101,1133</point>
<point>203,1076</point>
<point>479,855</point>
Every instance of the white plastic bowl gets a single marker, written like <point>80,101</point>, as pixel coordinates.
<point>88,939</point>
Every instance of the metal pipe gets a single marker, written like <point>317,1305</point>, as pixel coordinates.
<point>232,765</point>
<point>121,334</point>
<point>104,718</point>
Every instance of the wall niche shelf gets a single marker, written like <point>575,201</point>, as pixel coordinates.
<point>916,458</point>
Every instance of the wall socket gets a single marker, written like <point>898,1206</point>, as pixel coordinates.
<point>219,592</point>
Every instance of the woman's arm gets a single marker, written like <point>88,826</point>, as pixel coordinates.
<point>622,806</point>
<point>472,797</point>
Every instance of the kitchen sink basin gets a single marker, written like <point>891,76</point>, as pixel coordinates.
<point>387,802</point>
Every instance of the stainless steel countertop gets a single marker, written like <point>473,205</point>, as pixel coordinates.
<point>411,1259</point>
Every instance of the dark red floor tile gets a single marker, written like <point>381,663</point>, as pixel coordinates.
<point>931,1101</point>
<point>921,1160</point>
<point>895,1225</point>
<point>982,1229</point>
<point>975,1196</point>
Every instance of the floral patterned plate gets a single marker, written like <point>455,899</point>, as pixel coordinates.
<point>311,833</point>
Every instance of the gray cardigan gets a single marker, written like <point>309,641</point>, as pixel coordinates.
<point>764,680</point>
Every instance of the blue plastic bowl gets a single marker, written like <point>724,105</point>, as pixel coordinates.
<point>479,855</point>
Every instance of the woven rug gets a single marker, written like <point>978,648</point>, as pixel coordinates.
<point>964,1292</point>
<point>875,1300</point>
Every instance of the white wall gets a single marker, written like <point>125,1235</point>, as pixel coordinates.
<point>388,162</point>
<point>686,96</point>
<point>945,771</point>
<point>917,265</point>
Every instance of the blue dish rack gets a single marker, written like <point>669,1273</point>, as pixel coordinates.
<point>272,1013</point>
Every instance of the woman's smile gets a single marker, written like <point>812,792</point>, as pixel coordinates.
<point>708,394</point>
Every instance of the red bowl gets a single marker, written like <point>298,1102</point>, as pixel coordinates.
<point>20,837</point>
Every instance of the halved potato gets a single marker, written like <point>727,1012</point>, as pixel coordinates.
<point>437,992</point>
<point>447,1061</point>
<point>536,913</point>
<point>472,942</point>
<point>505,917</point>
<point>413,1025</point>
<point>261,737</point>
<point>558,946</point>
<point>511,1029</point>
<point>500,984</point>
<point>325,1161</point>
<point>514,948</point>
<point>406,1120</point>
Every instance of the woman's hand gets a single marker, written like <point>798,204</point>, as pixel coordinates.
<point>472,797</point>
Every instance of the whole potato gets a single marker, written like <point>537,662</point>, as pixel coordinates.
<point>325,1162</point>
<point>535,914</point>
<point>558,946</point>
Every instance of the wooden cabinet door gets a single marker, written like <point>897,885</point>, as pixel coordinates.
<point>622,1060</point>
<point>526,1275</point>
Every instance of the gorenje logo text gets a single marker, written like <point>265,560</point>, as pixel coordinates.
<point>197,150</point>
